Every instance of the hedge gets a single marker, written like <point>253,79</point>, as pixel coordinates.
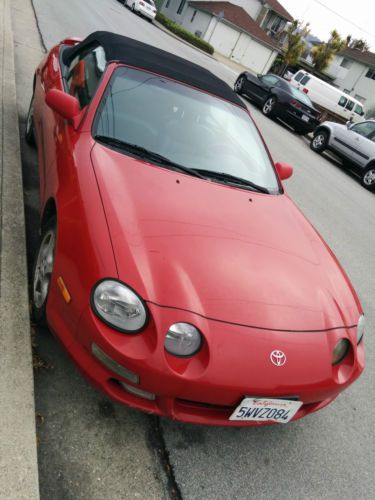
<point>184,34</point>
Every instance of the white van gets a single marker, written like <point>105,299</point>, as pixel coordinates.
<point>328,98</point>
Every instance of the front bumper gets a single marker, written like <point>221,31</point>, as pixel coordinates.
<point>233,363</point>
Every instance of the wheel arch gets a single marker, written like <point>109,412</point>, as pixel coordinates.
<point>49,212</point>
<point>370,163</point>
<point>322,128</point>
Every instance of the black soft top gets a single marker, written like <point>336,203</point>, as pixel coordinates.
<point>133,53</point>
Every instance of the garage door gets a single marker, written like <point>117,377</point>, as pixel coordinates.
<point>255,56</point>
<point>224,39</point>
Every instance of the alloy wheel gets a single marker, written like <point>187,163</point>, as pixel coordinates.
<point>269,105</point>
<point>239,84</point>
<point>43,268</point>
<point>369,178</point>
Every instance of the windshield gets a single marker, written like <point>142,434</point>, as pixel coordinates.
<point>187,126</point>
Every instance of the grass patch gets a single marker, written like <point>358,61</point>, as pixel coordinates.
<point>184,34</point>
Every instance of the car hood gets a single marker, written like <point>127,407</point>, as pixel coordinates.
<point>221,252</point>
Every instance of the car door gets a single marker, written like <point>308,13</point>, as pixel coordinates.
<point>258,87</point>
<point>81,79</point>
<point>355,143</point>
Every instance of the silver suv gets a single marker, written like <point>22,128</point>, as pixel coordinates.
<point>354,143</point>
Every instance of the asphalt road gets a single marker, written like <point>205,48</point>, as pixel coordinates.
<point>88,443</point>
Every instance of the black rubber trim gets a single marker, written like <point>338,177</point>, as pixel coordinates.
<point>351,148</point>
<point>254,327</point>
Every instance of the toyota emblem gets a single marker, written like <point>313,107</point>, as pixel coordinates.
<point>278,358</point>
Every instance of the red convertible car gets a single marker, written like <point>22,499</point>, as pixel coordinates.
<point>172,266</point>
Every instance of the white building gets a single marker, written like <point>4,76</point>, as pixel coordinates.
<point>245,31</point>
<point>353,71</point>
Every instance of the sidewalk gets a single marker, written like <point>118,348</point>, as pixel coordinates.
<point>18,457</point>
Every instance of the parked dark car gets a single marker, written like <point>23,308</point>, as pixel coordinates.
<point>279,99</point>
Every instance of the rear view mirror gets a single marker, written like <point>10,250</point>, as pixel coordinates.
<point>284,170</point>
<point>64,104</point>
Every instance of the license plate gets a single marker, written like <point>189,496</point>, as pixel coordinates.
<point>266,410</point>
<point>305,118</point>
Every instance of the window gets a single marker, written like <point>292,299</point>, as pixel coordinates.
<point>167,4</point>
<point>366,129</point>
<point>298,76</point>
<point>346,63</point>
<point>305,79</point>
<point>349,105</point>
<point>343,100</point>
<point>269,80</point>
<point>370,74</point>
<point>359,110</point>
<point>275,26</point>
<point>181,6</point>
<point>193,16</point>
<point>84,74</point>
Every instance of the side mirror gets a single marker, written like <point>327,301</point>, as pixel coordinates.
<point>64,104</point>
<point>348,124</point>
<point>284,170</point>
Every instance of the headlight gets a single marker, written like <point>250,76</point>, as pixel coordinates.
<point>360,328</point>
<point>117,305</point>
<point>183,339</point>
<point>340,351</point>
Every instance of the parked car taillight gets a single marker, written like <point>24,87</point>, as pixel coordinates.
<point>296,104</point>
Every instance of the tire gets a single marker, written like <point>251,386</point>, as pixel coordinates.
<point>368,178</point>
<point>42,272</point>
<point>239,84</point>
<point>269,106</point>
<point>29,131</point>
<point>319,141</point>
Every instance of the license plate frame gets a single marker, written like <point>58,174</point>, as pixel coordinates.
<point>266,410</point>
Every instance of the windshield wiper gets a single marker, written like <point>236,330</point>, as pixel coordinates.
<point>232,179</point>
<point>147,154</point>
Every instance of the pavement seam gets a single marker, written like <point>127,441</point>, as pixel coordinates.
<point>38,27</point>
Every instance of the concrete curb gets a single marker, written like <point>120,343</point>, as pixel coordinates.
<point>18,454</point>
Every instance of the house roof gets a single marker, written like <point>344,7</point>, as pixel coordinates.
<point>236,16</point>
<point>366,57</point>
<point>279,9</point>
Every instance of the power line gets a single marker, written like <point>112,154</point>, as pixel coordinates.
<point>343,18</point>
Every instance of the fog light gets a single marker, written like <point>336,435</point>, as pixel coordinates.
<point>340,351</point>
<point>183,339</point>
<point>138,392</point>
<point>112,365</point>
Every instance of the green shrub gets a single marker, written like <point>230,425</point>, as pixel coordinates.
<point>184,34</point>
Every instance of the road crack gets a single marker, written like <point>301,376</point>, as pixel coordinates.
<point>158,445</point>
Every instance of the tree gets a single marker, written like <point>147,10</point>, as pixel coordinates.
<point>323,54</point>
<point>359,44</point>
<point>294,44</point>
